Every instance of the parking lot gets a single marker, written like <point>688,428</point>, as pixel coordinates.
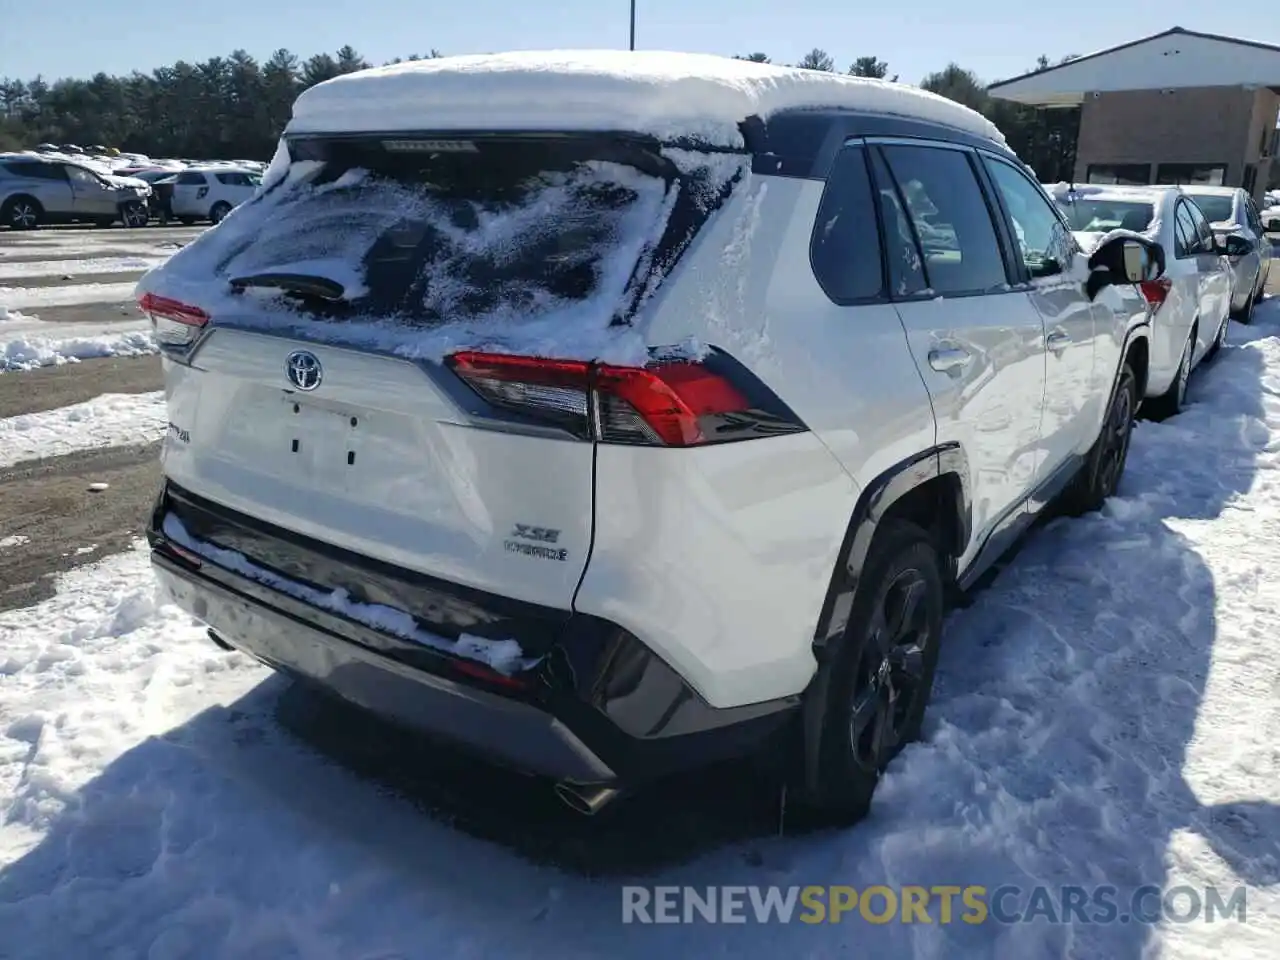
<point>85,276</point>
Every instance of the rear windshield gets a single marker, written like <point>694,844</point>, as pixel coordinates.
<point>1216,209</point>
<point>1101,215</point>
<point>427,233</point>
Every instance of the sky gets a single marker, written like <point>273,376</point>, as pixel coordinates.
<point>997,39</point>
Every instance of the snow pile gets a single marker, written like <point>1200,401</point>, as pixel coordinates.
<point>13,316</point>
<point>504,656</point>
<point>27,352</point>
<point>113,419</point>
<point>668,95</point>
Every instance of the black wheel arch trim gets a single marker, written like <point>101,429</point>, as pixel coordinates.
<point>873,504</point>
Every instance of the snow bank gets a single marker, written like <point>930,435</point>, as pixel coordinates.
<point>28,350</point>
<point>667,95</point>
<point>110,420</point>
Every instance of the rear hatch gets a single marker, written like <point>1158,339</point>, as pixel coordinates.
<point>316,381</point>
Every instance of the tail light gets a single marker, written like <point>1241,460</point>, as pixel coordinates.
<point>173,323</point>
<point>1155,291</point>
<point>670,403</point>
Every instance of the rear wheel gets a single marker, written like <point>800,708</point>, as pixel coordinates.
<point>1102,470</point>
<point>220,210</point>
<point>1245,313</point>
<point>1171,402</point>
<point>1219,341</point>
<point>22,213</point>
<point>873,689</point>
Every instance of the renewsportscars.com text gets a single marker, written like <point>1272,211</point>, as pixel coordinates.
<point>941,904</point>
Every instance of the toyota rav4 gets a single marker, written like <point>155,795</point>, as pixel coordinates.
<point>611,413</point>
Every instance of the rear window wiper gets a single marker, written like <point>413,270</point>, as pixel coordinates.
<point>321,288</point>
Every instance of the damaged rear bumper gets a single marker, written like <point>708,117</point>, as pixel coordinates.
<point>599,708</point>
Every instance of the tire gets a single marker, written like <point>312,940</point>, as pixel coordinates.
<point>1245,313</point>
<point>22,213</point>
<point>220,210</point>
<point>900,592</point>
<point>1171,402</point>
<point>134,214</point>
<point>1104,466</point>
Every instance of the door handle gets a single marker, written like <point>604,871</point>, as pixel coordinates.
<point>1057,340</point>
<point>947,359</point>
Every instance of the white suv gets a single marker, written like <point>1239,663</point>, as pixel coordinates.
<point>610,413</point>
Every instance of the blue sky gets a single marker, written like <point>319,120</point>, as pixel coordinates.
<point>995,38</point>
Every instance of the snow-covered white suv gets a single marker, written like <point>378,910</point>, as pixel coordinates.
<point>612,413</point>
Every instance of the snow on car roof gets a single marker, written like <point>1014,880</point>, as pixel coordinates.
<point>1107,191</point>
<point>1206,190</point>
<point>667,95</point>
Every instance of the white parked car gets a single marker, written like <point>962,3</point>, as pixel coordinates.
<point>649,441</point>
<point>210,193</point>
<point>1231,211</point>
<point>1191,302</point>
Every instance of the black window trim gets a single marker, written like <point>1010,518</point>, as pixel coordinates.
<point>1013,274</point>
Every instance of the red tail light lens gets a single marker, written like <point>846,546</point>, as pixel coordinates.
<point>173,323</point>
<point>1155,291</point>
<point>667,403</point>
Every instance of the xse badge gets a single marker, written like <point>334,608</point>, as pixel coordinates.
<point>538,542</point>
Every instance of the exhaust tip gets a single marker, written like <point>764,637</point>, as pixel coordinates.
<point>588,800</point>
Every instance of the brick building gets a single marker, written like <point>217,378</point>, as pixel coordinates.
<point>1176,107</point>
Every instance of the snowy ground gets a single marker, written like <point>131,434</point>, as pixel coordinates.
<point>1105,713</point>
<point>68,295</point>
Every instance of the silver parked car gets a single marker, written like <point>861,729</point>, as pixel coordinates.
<point>1231,211</point>
<point>34,190</point>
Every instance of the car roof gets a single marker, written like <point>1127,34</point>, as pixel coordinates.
<point>669,96</point>
<point>1210,191</point>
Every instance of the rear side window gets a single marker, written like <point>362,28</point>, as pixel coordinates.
<point>902,248</point>
<point>950,217</point>
<point>237,179</point>
<point>191,179</point>
<point>845,249</point>
<point>36,171</point>
<point>1188,236</point>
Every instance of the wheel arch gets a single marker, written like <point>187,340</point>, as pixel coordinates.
<point>930,488</point>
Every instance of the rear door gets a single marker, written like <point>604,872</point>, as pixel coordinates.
<point>977,342</point>
<point>340,418</point>
<point>189,191</point>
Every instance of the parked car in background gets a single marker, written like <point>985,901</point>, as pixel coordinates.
<point>210,193</point>
<point>748,544</point>
<point>1231,211</point>
<point>35,191</point>
<point>1191,304</point>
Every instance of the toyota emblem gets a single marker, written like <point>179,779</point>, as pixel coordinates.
<point>303,369</point>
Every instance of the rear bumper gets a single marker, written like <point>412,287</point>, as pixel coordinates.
<point>599,708</point>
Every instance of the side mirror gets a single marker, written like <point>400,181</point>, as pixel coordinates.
<point>1124,260</point>
<point>1235,246</point>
